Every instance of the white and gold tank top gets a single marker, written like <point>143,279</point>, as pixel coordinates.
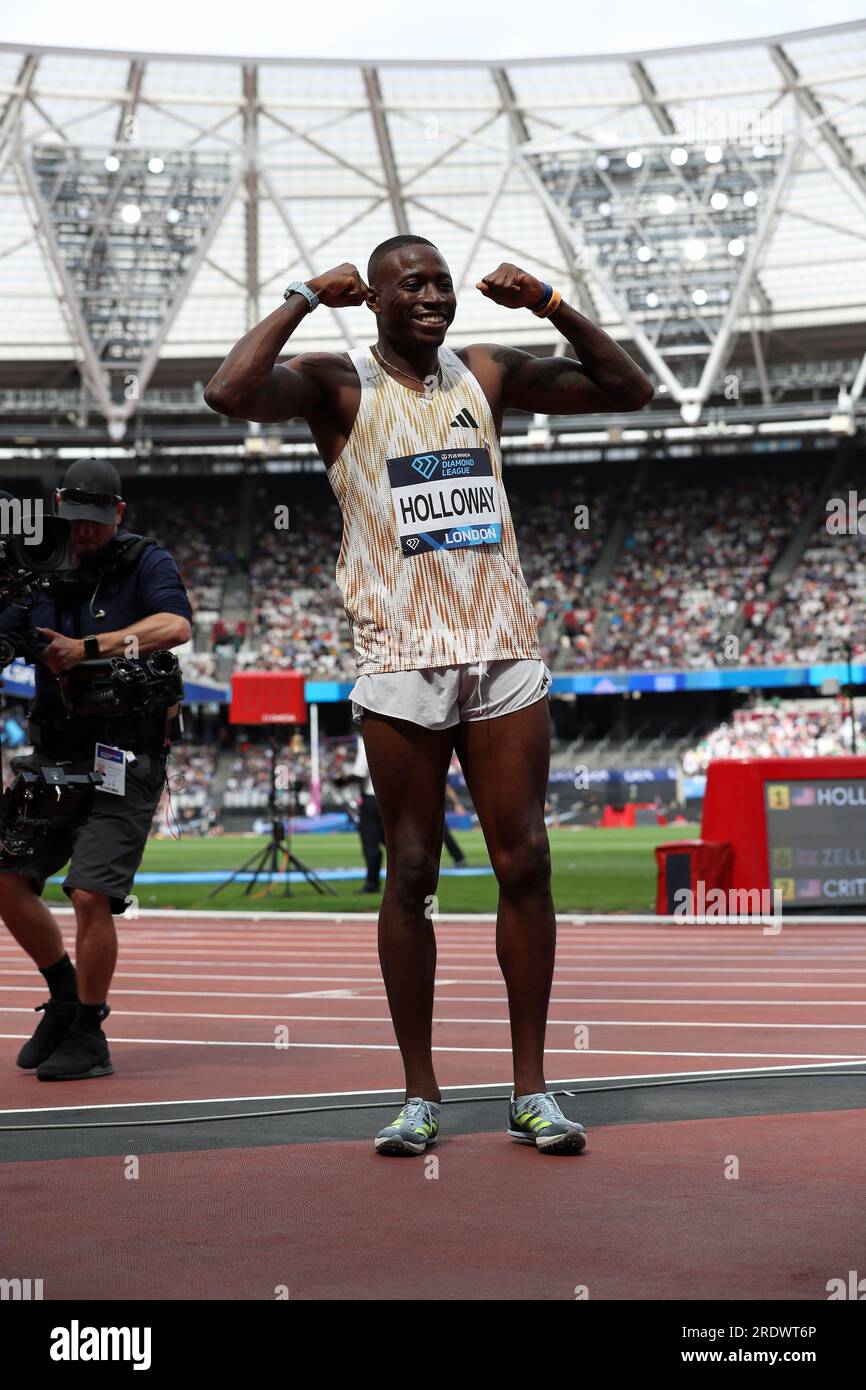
<point>428,569</point>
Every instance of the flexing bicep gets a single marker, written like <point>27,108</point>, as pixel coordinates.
<point>287,393</point>
<point>554,386</point>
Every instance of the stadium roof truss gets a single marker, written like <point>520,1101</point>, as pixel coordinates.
<point>154,206</point>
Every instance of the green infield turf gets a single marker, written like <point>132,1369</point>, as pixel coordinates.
<point>593,871</point>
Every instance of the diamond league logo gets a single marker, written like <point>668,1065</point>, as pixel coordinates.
<point>425,464</point>
<point>412,543</point>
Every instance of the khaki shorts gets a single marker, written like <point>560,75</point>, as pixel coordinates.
<point>105,849</point>
<point>441,696</point>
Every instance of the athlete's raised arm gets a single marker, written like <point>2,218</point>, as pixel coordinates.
<point>250,386</point>
<point>604,378</point>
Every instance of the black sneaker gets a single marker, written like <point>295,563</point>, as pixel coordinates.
<point>79,1056</point>
<point>53,1028</point>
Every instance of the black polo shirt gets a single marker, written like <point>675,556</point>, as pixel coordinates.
<point>125,596</point>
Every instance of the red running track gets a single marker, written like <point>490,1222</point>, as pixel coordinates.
<point>647,1213</point>
<point>231,1008</point>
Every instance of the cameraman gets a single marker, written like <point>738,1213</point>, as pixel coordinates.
<point>121,587</point>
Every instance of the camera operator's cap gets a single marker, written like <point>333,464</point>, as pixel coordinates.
<point>90,491</point>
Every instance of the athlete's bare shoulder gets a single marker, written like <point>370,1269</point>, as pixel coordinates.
<point>330,370</point>
<point>338,396</point>
<point>490,364</point>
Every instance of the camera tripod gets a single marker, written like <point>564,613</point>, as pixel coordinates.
<point>276,856</point>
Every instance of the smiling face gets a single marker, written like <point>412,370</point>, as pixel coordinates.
<point>413,297</point>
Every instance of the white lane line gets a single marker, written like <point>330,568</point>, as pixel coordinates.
<point>505,1022</point>
<point>771,949</point>
<point>34,984</point>
<point>613,940</point>
<point>472,1051</point>
<point>724,1073</point>
<point>693,971</point>
<point>480,960</point>
<point>229,993</point>
<point>656,948</point>
<point>460,929</point>
<point>628,919</point>
<point>498,998</point>
<point>278,951</point>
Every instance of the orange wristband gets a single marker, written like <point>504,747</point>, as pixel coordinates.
<point>551,306</point>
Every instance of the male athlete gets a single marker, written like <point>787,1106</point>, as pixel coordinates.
<point>442,621</point>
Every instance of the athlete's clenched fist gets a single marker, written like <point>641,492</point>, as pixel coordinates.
<point>512,287</point>
<point>339,288</point>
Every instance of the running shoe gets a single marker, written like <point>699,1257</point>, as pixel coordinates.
<point>80,1056</point>
<point>538,1120</point>
<point>54,1026</point>
<point>415,1127</point>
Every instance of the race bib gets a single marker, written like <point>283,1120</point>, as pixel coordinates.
<point>111,762</point>
<point>445,499</point>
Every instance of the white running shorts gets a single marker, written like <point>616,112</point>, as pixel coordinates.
<point>441,696</point>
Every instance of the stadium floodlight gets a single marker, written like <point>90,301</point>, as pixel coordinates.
<point>679,155</point>
<point>736,247</point>
<point>699,296</point>
<point>624,217</point>
<point>126,288</point>
<point>750,198</point>
<point>759,151</point>
<point>634,159</point>
<point>602,162</point>
<point>691,412</point>
<point>652,302</point>
<point>843,423</point>
<point>539,437</point>
<point>713,154</point>
<point>156,165</point>
<point>173,215</point>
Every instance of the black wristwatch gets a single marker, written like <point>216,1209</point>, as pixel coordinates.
<point>91,648</point>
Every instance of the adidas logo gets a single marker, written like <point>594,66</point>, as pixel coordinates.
<point>463,420</point>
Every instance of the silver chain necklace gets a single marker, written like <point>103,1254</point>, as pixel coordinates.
<point>422,381</point>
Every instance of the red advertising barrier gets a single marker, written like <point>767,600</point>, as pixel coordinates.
<point>685,864</point>
<point>268,697</point>
<point>796,826</point>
